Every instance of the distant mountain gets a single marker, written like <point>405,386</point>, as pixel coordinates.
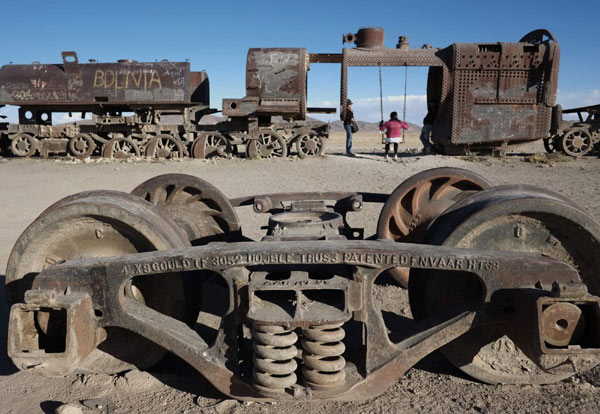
<point>363,126</point>
<point>335,126</point>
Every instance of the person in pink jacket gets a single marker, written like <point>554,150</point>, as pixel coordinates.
<point>393,131</point>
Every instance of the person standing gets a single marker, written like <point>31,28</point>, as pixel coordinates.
<point>348,121</point>
<point>393,131</point>
<point>428,126</point>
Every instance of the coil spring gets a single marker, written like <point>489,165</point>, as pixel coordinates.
<point>274,353</point>
<point>324,364</point>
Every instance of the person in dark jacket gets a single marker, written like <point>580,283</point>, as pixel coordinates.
<point>428,126</point>
<point>348,121</point>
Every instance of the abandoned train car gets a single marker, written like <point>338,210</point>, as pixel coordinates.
<point>131,103</point>
<point>480,95</point>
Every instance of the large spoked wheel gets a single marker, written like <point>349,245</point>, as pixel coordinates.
<point>198,207</point>
<point>24,145</point>
<point>576,142</point>
<point>269,144</point>
<point>550,145</point>
<point>210,144</point>
<point>103,224</point>
<point>310,145</point>
<point>165,147</point>
<point>511,218</point>
<point>420,199</point>
<point>120,149</point>
<point>81,146</point>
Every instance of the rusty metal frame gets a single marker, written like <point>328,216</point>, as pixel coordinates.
<point>103,281</point>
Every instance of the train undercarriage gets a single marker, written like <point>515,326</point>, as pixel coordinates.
<point>119,135</point>
<point>502,279</point>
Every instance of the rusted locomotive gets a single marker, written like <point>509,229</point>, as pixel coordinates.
<point>480,95</point>
<point>129,101</point>
<point>104,281</point>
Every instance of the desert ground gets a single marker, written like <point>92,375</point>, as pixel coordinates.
<point>433,385</point>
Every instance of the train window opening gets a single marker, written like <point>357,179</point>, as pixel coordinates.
<point>364,90</point>
<point>323,89</point>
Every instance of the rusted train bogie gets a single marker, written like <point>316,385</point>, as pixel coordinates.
<point>114,135</point>
<point>298,316</point>
<point>577,138</point>
<point>267,140</point>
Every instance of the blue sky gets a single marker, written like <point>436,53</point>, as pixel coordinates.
<point>215,37</point>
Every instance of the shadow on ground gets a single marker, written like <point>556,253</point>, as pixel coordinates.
<point>178,374</point>
<point>378,155</point>
<point>49,407</point>
<point>6,365</point>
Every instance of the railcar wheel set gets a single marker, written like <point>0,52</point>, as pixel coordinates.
<point>504,280</point>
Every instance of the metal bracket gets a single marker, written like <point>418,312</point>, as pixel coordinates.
<point>52,332</point>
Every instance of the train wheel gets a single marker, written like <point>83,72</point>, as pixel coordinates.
<point>198,207</point>
<point>210,144</point>
<point>417,201</point>
<point>81,146</point>
<point>310,145</point>
<point>165,147</point>
<point>103,224</point>
<point>120,148</point>
<point>576,142</point>
<point>269,144</point>
<point>507,218</point>
<point>550,145</point>
<point>24,145</point>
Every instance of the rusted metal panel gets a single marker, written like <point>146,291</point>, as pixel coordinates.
<point>276,72</point>
<point>199,88</point>
<point>499,93</point>
<point>277,76</point>
<point>73,84</point>
<point>275,84</point>
<point>325,58</point>
<point>392,57</point>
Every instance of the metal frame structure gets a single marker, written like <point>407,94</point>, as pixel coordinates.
<point>482,94</point>
<point>300,320</point>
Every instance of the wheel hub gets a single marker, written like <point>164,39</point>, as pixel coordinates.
<point>310,145</point>
<point>80,145</point>
<point>22,145</point>
<point>163,153</point>
<point>265,151</point>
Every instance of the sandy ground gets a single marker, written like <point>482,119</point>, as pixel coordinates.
<point>29,186</point>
